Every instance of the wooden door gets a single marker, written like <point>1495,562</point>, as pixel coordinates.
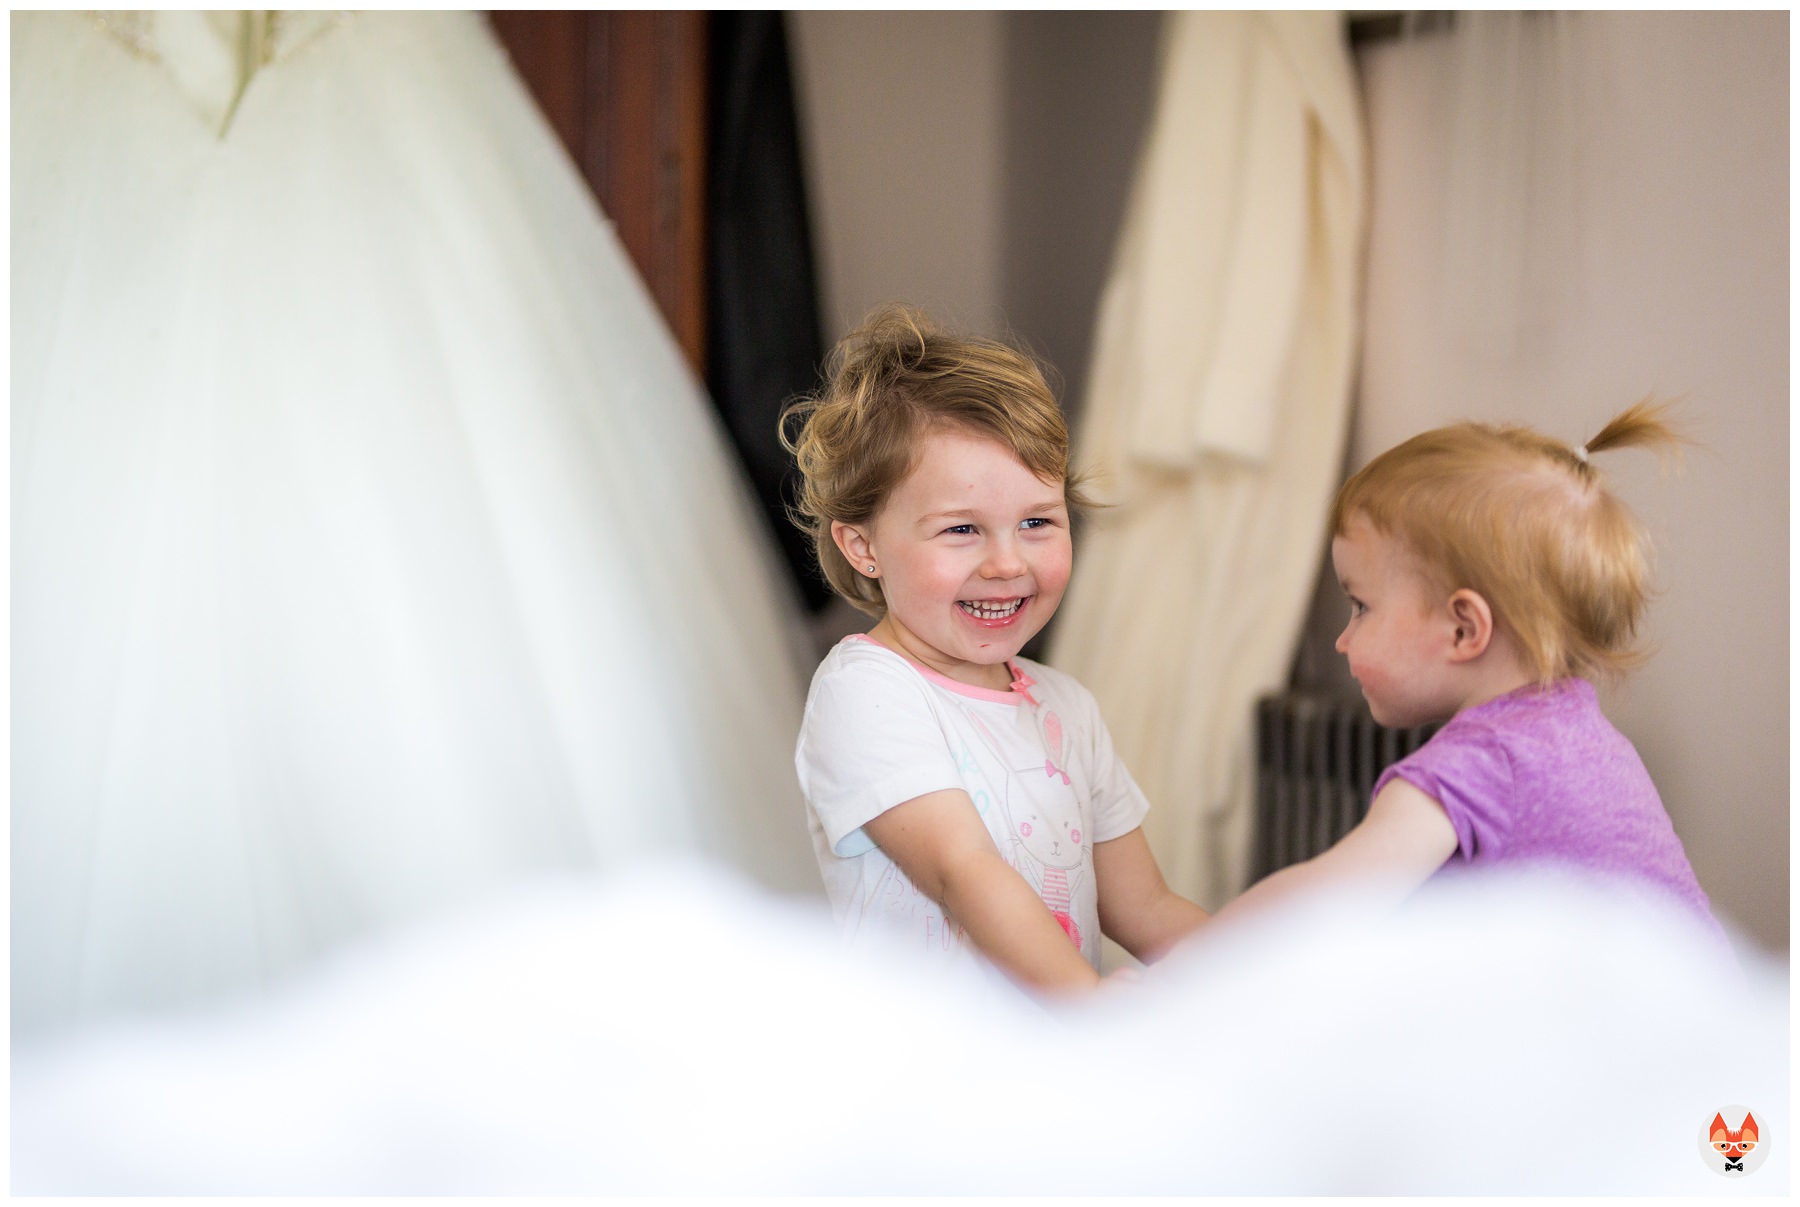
<point>626,93</point>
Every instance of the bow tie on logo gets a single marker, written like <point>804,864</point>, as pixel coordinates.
<point>1052,770</point>
<point>1734,1165</point>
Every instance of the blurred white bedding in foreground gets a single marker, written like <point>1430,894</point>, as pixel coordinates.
<point>679,1031</point>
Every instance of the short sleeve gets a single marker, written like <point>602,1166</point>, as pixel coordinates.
<point>1468,772</point>
<point>1119,805</point>
<point>870,740</point>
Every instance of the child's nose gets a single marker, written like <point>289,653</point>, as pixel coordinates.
<point>1004,560</point>
<point>1343,641</point>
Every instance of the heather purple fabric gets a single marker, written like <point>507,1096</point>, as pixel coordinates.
<point>1541,776</point>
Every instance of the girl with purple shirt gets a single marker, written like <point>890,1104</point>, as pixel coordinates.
<point>1491,576</point>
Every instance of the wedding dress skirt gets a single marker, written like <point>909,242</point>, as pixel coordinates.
<point>1514,1035</point>
<point>373,548</point>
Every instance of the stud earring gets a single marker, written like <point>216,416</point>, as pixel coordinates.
<point>871,567</point>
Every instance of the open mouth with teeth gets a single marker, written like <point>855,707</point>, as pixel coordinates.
<point>992,609</point>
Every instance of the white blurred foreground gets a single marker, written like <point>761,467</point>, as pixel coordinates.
<point>678,1031</point>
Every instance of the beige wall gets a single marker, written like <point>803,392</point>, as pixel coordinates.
<point>972,163</point>
<point>901,117</point>
<point>977,163</point>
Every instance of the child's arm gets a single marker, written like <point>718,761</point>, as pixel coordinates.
<point>944,847</point>
<point>1137,910</point>
<point>1392,851</point>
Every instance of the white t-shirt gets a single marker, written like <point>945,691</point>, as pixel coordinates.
<point>1036,760</point>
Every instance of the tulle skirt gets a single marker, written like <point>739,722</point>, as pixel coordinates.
<point>373,547</point>
<point>1522,1034</point>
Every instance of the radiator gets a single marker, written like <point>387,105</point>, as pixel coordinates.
<point>1317,758</point>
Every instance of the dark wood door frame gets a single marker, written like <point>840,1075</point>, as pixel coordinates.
<point>626,93</point>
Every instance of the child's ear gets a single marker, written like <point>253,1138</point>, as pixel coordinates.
<point>1472,625</point>
<point>853,543</point>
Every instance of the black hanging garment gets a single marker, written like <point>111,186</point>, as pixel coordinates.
<point>763,343</point>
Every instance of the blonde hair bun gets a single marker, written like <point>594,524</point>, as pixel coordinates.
<point>1531,525</point>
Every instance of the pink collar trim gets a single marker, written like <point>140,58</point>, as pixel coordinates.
<point>1016,693</point>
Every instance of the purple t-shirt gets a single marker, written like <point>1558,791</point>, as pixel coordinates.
<point>1540,775</point>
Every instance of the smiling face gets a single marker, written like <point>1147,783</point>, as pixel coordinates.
<point>1397,640</point>
<point>973,554</point>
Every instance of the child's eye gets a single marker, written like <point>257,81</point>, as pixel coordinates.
<point>1357,607</point>
<point>959,530</point>
<point>1038,522</point>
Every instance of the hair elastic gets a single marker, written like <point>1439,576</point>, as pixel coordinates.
<point>1581,453</point>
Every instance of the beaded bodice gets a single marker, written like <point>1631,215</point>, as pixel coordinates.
<point>214,55</point>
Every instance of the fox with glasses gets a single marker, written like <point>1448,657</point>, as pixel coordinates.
<point>1734,1144</point>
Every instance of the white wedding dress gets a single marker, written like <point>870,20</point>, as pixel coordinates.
<point>1523,1034</point>
<point>373,548</point>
